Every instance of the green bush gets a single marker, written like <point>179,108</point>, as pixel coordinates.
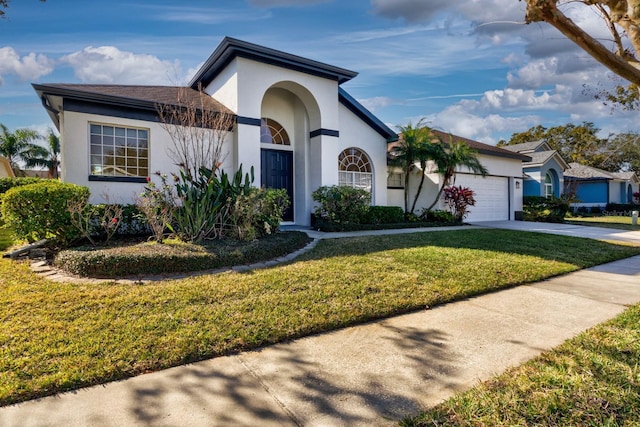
<point>165,258</point>
<point>39,211</point>
<point>8,183</point>
<point>439,216</point>
<point>384,215</point>
<point>341,205</point>
<point>545,209</point>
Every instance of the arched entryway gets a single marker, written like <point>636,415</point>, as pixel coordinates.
<point>276,164</point>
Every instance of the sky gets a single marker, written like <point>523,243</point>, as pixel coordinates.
<point>469,67</point>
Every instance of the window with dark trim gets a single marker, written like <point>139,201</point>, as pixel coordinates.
<point>118,151</point>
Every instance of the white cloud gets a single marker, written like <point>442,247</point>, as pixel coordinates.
<point>372,104</point>
<point>110,65</point>
<point>208,16</point>
<point>29,67</point>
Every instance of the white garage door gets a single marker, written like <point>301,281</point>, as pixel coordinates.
<point>492,197</point>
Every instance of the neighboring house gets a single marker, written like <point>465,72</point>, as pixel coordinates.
<point>498,195</point>
<point>596,187</point>
<point>543,174</point>
<point>5,168</point>
<point>296,127</point>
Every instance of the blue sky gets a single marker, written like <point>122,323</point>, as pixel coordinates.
<point>467,66</point>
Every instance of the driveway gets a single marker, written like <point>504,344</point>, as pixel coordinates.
<point>596,233</point>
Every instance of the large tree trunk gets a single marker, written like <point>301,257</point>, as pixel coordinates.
<point>547,11</point>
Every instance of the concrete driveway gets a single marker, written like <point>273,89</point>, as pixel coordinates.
<point>596,233</point>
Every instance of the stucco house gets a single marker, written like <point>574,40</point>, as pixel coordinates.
<point>295,125</point>
<point>543,174</point>
<point>596,187</point>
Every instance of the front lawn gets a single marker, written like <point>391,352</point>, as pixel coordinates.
<point>6,239</point>
<point>590,380</point>
<point>617,222</point>
<point>61,336</point>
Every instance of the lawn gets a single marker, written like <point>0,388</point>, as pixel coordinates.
<point>61,336</point>
<point>6,239</point>
<point>617,222</point>
<point>590,380</point>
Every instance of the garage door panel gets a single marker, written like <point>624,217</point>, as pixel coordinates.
<point>492,197</point>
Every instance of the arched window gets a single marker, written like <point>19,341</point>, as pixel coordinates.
<point>355,169</point>
<point>272,132</point>
<point>548,185</point>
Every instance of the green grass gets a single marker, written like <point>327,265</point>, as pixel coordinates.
<point>617,222</point>
<point>591,380</point>
<point>61,336</point>
<point>6,239</point>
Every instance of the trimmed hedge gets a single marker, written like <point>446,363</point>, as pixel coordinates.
<point>7,183</point>
<point>152,258</point>
<point>383,215</point>
<point>542,209</point>
<point>39,211</point>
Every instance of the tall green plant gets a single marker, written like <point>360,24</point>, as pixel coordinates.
<point>458,154</point>
<point>417,145</point>
<point>18,145</point>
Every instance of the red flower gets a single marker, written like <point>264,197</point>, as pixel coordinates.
<point>114,220</point>
<point>148,179</point>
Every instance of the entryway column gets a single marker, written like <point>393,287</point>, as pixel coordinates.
<point>247,149</point>
<point>323,159</point>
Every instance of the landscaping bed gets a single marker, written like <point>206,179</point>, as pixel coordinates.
<point>62,336</point>
<point>134,258</point>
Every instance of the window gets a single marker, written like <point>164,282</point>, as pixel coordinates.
<point>548,186</point>
<point>119,151</point>
<point>355,169</point>
<point>395,180</point>
<point>272,132</point>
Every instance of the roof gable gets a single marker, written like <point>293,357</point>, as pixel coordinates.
<point>231,48</point>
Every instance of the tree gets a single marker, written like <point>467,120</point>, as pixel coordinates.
<point>457,155</point>
<point>47,157</point>
<point>18,145</point>
<point>622,18</point>
<point>417,144</point>
<point>5,4</point>
<point>197,131</point>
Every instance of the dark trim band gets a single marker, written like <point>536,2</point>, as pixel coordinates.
<point>135,179</point>
<point>248,121</point>
<point>110,110</point>
<point>325,132</point>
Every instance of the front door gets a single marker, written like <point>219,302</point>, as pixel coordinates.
<point>277,172</point>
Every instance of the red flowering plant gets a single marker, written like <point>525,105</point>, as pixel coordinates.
<point>458,199</point>
<point>636,197</point>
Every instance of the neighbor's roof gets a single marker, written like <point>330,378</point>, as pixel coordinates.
<point>578,171</point>
<point>480,147</point>
<point>231,48</point>
<point>147,97</point>
<point>525,147</point>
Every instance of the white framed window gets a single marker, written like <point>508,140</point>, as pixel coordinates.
<point>395,180</point>
<point>548,186</point>
<point>354,168</point>
<point>118,151</point>
<point>272,132</point>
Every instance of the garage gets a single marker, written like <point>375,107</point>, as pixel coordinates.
<point>491,194</point>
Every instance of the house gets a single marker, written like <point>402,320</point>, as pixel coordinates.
<point>498,195</point>
<point>596,187</point>
<point>543,174</point>
<point>295,125</point>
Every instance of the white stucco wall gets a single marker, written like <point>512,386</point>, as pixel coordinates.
<point>355,133</point>
<point>76,158</point>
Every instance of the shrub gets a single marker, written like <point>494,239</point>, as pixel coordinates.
<point>459,199</point>
<point>444,217</point>
<point>340,204</point>
<point>165,258</point>
<point>39,211</point>
<point>383,215</point>
<point>8,183</point>
<point>551,209</point>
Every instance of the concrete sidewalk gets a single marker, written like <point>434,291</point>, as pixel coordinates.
<point>372,374</point>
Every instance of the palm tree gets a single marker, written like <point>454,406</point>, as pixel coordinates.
<point>457,154</point>
<point>18,145</point>
<point>47,157</point>
<point>417,144</point>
